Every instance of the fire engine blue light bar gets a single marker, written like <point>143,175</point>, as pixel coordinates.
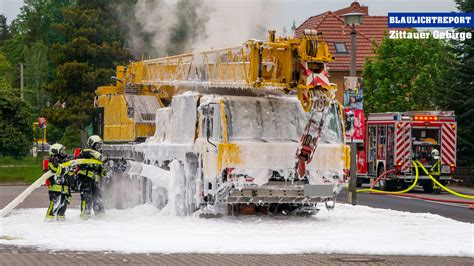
<point>431,20</point>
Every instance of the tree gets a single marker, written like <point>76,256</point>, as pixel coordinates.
<point>5,67</point>
<point>92,47</point>
<point>4,29</point>
<point>458,85</point>
<point>32,25</point>
<point>404,74</point>
<point>13,51</point>
<point>15,123</point>
<point>36,71</point>
<point>37,17</point>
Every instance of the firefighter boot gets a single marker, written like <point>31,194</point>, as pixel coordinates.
<point>86,189</point>
<point>86,203</point>
<point>54,201</point>
<point>97,201</point>
<point>57,206</point>
<point>85,209</point>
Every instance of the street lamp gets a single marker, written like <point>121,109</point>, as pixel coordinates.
<point>353,19</point>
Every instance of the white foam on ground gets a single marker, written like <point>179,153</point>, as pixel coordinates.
<point>347,229</point>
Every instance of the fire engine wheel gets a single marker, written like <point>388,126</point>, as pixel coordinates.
<point>404,185</point>
<point>385,184</point>
<point>428,186</point>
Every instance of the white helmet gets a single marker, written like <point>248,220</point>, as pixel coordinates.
<point>57,150</point>
<point>435,153</point>
<point>95,142</point>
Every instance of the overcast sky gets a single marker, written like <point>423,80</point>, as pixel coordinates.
<point>299,10</point>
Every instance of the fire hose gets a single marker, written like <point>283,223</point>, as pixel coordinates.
<point>402,192</point>
<point>372,190</point>
<point>19,199</point>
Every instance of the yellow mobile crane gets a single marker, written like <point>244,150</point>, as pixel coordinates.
<point>279,65</point>
<point>217,110</point>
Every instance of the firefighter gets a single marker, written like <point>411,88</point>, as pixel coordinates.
<point>59,192</point>
<point>88,178</point>
<point>435,169</point>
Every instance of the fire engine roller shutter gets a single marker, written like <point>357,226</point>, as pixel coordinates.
<point>448,143</point>
<point>402,145</point>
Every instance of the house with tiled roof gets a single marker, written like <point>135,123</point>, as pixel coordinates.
<point>337,35</point>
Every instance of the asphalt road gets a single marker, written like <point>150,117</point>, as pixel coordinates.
<point>459,212</point>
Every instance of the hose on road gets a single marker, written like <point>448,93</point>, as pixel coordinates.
<point>402,192</point>
<point>443,187</point>
<point>372,190</point>
<point>19,199</point>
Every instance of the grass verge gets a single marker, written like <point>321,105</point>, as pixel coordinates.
<point>20,170</point>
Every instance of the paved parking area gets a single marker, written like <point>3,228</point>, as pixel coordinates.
<point>24,256</point>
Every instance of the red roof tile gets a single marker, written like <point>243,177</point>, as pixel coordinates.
<point>311,23</point>
<point>333,28</point>
<point>354,7</point>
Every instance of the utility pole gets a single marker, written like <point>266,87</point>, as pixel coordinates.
<point>352,19</point>
<point>22,81</point>
<point>352,197</point>
<point>353,72</point>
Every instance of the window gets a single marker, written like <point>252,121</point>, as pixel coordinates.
<point>148,117</point>
<point>276,119</point>
<point>216,132</point>
<point>340,47</point>
<point>212,120</point>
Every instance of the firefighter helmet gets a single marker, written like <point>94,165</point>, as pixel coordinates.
<point>57,150</point>
<point>95,142</point>
<point>435,154</point>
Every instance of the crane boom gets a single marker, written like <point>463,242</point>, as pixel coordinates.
<point>277,66</point>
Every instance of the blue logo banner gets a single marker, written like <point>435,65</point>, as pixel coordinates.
<point>431,20</point>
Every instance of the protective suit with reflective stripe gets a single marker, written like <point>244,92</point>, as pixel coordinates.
<point>435,170</point>
<point>88,178</point>
<point>59,192</point>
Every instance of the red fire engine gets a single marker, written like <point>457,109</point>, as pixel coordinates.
<point>392,140</point>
